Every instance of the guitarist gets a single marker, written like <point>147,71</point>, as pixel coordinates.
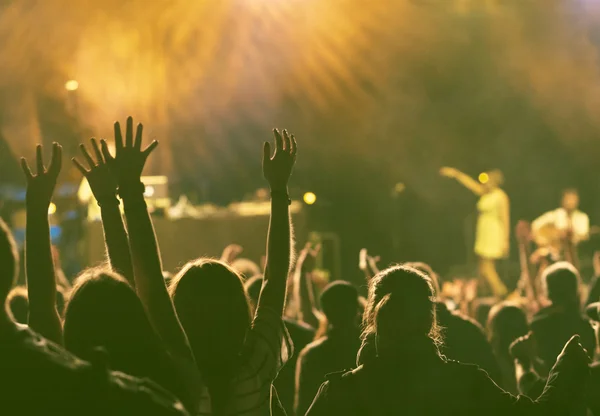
<point>562,229</point>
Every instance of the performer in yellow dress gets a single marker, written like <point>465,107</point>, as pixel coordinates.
<point>493,224</point>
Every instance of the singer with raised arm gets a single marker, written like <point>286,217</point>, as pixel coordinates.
<point>493,224</point>
<point>566,224</point>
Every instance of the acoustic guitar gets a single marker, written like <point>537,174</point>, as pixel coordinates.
<point>555,240</point>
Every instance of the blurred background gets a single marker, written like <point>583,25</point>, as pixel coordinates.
<point>380,94</point>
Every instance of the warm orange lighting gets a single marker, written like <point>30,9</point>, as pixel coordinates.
<point>484,177</point>
<point>71,85</point>
<point>310,198</point>
<point>51,209</point>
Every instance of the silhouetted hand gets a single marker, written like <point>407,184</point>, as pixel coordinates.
<point>308,256</point>
<point>128,163</point>
<point>362,260</point>
<point>102,181</point>
<point>278,168</point>
<point>40,187</point>
<point>231,252</point>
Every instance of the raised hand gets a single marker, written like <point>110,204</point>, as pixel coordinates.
<point>129,160</point>
<point>231,252</point>
<point>102,181</point>
<point>278,168</point>
<point>308,256</point>
<point>365,260</point>
<point>40,186</point>
<point>362,260</point>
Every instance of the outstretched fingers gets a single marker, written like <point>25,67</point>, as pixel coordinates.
<point>293,146</point>
<point>56,161</point>
<point>150,148</point>
<point>266,151</point>
<point>138,136</point>
<point>39,158</point>
<point>80,167</point>
<point>97,152</point>
<point>26,169</point>
<point>278,141</point>
<point>129,132</point>
<point>118,137</point>
<point>286,141</point>
<point>87,156</point>
<point>105,152</point>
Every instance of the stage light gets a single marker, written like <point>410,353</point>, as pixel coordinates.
<point>149,192</point>
<point>484,177</point>
<point>51,209</point>
<point>310,198</point>
<point>71,85</point>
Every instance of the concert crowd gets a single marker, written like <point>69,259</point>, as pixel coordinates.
<point>127,338</point>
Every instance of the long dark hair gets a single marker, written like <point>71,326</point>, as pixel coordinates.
<point>400,313</point>
<point>104,311</point>
<point>214,310</point>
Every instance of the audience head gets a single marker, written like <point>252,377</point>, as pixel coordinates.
<point>429,272</point>
<point>506,322</point>
<point>339,302</point>
<point>481,309</point>
<point>104,311</point>
<point>18,304</point>
<point>400,313</point>
<point>9,261</point>
<point>213,308</point>
<point>561,284</point>
<point>570,199</point>
<point>495,179</point>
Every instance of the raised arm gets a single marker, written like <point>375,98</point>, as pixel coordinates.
<point>104,187</point>
<point>304,294</point>
<point>528,270</point>
<point>41,276</point>
<point>127,166</point>
<point>368,264</point>
<point>277,170</point>
<point>468,182</point>
<point>230,253</point>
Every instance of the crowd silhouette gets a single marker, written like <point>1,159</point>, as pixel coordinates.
<point>128,338</point>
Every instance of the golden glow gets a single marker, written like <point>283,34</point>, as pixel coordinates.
<point>310,198</point>
<point>51,209</point>
<point>71,85</point>
<point>220,63</point>
<point>484,178</point>
<point>399,187</point>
